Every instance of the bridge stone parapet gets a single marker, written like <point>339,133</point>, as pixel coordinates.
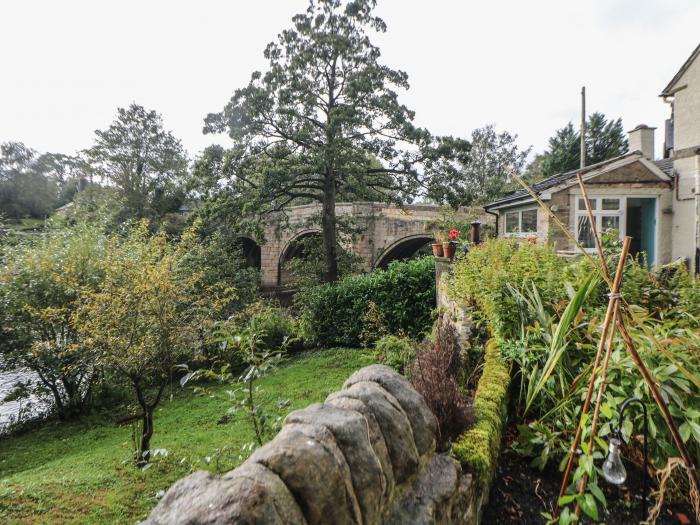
<point>364,456</point>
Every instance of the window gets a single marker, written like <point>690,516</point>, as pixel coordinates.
<point>528,220</point>
<point>611,204</point>
<point>512,222</point>
<point>521,222</point>
<point>606,212</point>
<point>582,204</point>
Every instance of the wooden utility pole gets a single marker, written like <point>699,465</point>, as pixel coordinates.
<point>583,127</point>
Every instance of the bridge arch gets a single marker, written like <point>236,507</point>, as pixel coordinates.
<point>251,251</point>
<point>291,250</point>
<point>403,248</point>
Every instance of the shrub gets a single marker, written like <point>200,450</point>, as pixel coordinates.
<point>484,279</point>
<point>219,260</point>
<point>435,373</point>
<point>335,313</point>
<point>42,283</point>
<point>306,269</point>
<point>395,351</point>
<point>273,324</point>
<point>147,318</point>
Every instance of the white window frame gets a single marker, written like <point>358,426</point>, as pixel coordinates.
<point>520,233</point>
<point>599,213</point>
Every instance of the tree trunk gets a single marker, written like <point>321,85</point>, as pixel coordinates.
<point>55,392</point>
<point>73,398</point>
<point>145,448</point>
<point>328,226</point>
<point>143,453</point>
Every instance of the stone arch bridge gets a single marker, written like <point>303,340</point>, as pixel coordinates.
<point>388,233</point>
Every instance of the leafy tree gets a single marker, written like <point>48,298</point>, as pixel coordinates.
<point>604,140</point>
<point>69,173</point>
<point>325,119</point>
<point>42,284</point>
<point>24,190</point>
<point>220,261</point>
<point>207,173</point>
<point>533,171</point>
<point>484,173</point>
<point>144,162</point>
<point>148,317</point>
<point>305,267</point>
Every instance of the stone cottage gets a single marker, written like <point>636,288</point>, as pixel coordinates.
<point>654,201</point>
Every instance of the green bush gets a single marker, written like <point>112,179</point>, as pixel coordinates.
<point>334,314</point>
<point>43,281</point>
<point>275,327</point>
<point>395,351</point>
<point>219,260</point>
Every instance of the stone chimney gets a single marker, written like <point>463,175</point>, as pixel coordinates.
<point>641,139</point>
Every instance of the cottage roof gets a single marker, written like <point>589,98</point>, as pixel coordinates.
<point>662,168</point>
<point>670,88</point>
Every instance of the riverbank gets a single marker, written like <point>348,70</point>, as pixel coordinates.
<point>81,472</point>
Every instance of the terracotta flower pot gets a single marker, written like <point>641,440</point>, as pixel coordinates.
<point>449,248</point>
<point>437,250</point>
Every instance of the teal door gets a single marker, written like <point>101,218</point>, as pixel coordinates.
<point>641,227</point>
<point>648,229</point>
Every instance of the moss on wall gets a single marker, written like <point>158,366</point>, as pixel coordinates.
<point>478,448</point>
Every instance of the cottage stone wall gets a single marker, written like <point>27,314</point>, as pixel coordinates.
<point>364,456</point>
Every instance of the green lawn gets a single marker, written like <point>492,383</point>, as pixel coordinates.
<point>81,472</point>
<point>25,223</point>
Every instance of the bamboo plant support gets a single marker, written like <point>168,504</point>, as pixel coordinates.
<point>612,308</point>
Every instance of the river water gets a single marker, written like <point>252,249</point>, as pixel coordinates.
<point>10,409</point>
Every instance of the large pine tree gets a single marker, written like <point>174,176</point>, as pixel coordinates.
<point>324,120</point>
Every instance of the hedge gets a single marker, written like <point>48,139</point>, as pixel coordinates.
<point>334,314</point>
<point>478,448</point>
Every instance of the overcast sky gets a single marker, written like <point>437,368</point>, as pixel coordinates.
<point>67,65</point>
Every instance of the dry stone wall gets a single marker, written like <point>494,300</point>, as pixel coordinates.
<point>364,456</point>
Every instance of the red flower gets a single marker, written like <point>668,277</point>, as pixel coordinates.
<point>454,233</point>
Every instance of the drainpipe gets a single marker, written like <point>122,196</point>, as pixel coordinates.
<point>495,214</point>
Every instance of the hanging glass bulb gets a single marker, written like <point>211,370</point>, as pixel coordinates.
<point>613,469</point>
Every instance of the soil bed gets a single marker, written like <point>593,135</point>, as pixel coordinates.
<point>520,494</point>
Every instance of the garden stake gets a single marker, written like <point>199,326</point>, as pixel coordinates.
<point>608,350</point>
<point>603,377</point>
<point>599,398</point>
<point>612,307</point>
<point>594,228</point>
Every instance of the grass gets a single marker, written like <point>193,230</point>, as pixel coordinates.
<point>27,222</point>
<point>81,472</point>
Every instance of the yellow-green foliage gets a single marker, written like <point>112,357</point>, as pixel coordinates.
<point>477,449</point>
<point>481,279</point>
